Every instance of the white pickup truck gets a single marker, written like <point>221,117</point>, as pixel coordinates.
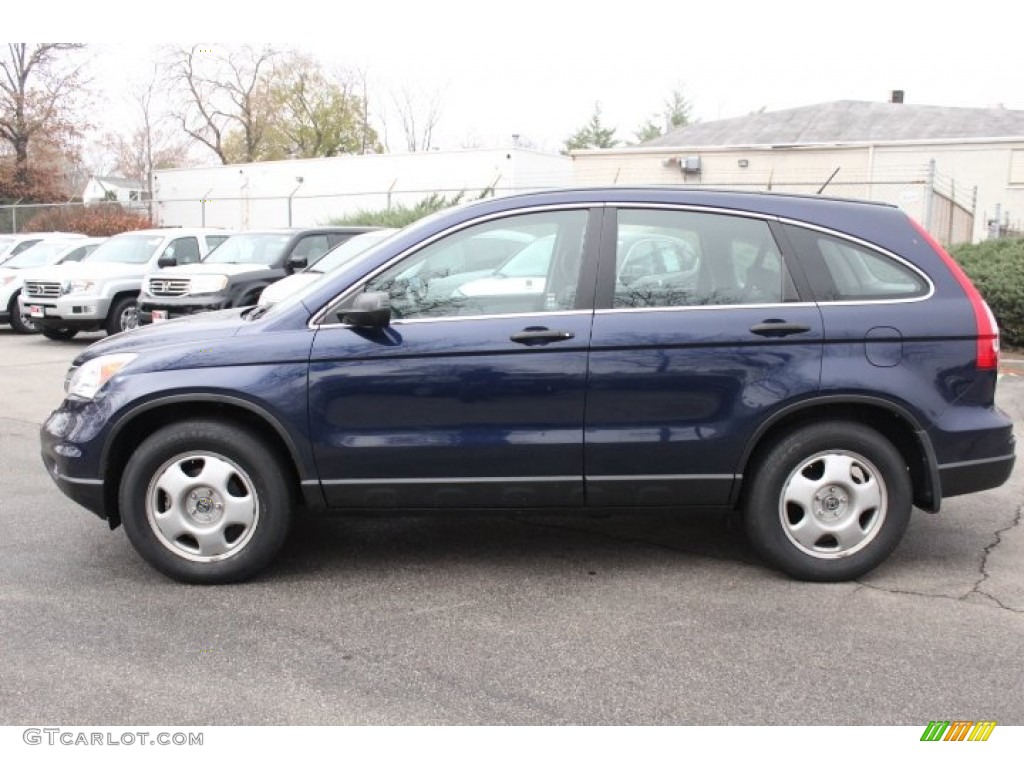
<point>101,292</point>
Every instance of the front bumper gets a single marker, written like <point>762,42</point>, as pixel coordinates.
<point>181,306</point>
<point>66,452</point>
<point>67,311</point>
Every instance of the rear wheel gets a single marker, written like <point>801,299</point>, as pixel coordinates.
<point>19,322</point>
<point>58,334</point>
<point>829,501</point>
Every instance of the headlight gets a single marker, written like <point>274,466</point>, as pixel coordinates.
<point>208,283</point>
<point>78,286</point>
<point>88,379</point>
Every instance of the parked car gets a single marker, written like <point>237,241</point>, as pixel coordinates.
<point>238,272</point>
<point>821,365</point>
<point>44,253</point>
<point>335,258</point>
<point>12,245</point>
<point>102,292</point>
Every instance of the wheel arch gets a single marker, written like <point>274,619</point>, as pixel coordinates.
<point>145,419</point>
<point>893,421</point>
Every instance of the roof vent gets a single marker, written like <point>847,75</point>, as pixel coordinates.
<point>897,97</point>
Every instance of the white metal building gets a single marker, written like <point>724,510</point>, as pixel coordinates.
<point>954,169</point>
<point>314,191</point>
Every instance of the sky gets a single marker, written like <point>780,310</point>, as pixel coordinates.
<point>537,69</point>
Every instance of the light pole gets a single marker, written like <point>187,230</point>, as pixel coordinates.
<point>298,179</point>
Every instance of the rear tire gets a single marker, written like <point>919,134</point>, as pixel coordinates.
<point>205,502</point>
<point>58,334</point>
<point>828,502</point>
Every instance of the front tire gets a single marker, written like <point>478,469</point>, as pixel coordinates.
<point>19,322</point>
<point>123,316</point>
<point>829,501</point>
<point>205,502</point>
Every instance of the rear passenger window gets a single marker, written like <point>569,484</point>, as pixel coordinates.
<point>684,259</point>
<point>839,270</point>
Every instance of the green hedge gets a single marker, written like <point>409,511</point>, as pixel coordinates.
<point>997,268</point>
<point>399,215</point>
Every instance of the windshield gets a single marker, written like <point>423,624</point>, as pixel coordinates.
<point>127,249</point>
<point>251,248</point>
<point>38,255</point>
<point>349,249</point>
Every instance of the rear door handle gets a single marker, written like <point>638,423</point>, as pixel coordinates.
<point>536,336</point>
<point>778,328</point>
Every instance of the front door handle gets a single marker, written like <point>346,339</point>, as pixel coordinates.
<point>535,336</point>
<point>774,328</point>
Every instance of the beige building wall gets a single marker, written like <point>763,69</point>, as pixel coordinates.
<point>891,173</point>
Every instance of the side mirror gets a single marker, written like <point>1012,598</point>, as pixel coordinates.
<point>294,263</point>
<point>369,310</point>
<point>167,260</point>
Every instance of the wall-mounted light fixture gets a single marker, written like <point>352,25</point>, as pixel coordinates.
<point>743,162</point>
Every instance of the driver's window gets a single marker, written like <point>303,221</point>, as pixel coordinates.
<point>686,258</point>
<point>521,264</point>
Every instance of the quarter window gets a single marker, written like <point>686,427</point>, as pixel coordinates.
<point>685,258</point>
<point>522,264</point>
<point>839,270</point>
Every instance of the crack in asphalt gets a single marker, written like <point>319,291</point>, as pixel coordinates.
<point>36,424</point>
<point>982,569</point>
<point>985,575</point>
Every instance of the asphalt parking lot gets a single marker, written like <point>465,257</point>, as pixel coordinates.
<point>496,620</point>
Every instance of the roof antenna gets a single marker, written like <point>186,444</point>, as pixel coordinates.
<point>829,179</point>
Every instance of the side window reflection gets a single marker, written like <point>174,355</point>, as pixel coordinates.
<point>522,264</point>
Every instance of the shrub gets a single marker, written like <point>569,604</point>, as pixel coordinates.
<point>95,221</point>
<point>997,268</point>
<point>402,215</point>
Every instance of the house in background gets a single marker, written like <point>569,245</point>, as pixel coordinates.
<point>129,193</point>
<point>958,171</point>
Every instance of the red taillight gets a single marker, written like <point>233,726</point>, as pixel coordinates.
<point>984,320</point>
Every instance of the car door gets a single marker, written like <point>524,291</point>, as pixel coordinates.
<point>698,334</point>
<point>462,400</point>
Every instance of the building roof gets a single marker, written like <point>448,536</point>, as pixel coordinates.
<point>841,122</point>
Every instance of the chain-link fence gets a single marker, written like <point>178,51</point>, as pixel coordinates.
<point>945,208</point>
<point>94,218</point>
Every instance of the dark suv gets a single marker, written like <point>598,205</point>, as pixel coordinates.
<point>235,274</point>
<point>821,365</point>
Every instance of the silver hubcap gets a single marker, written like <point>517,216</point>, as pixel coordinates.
<point>202,507</point>
<point>833,504</point>
<point>130,317</point>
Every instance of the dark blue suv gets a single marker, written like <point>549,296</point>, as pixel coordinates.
<point>821,365</point>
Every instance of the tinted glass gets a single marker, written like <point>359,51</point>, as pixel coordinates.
<point>839,270</point>
<point>684,258</point>
<point>185,250</point>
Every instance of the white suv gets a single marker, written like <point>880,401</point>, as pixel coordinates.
<point>101,293</point>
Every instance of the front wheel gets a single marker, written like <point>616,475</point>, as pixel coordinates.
<point>205,502</point>
<point>19,322</point>
<point>123,316</point>
<point>829,501</point>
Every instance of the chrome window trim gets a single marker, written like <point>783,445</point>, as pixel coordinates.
<point>869,247</point>
<point>695,307</point>
<point>317,319</point>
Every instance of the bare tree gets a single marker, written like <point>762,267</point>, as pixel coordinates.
<point>419,115</point>
<point>151,143</point>
<point>226,103</point>
<point>39,83</point>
